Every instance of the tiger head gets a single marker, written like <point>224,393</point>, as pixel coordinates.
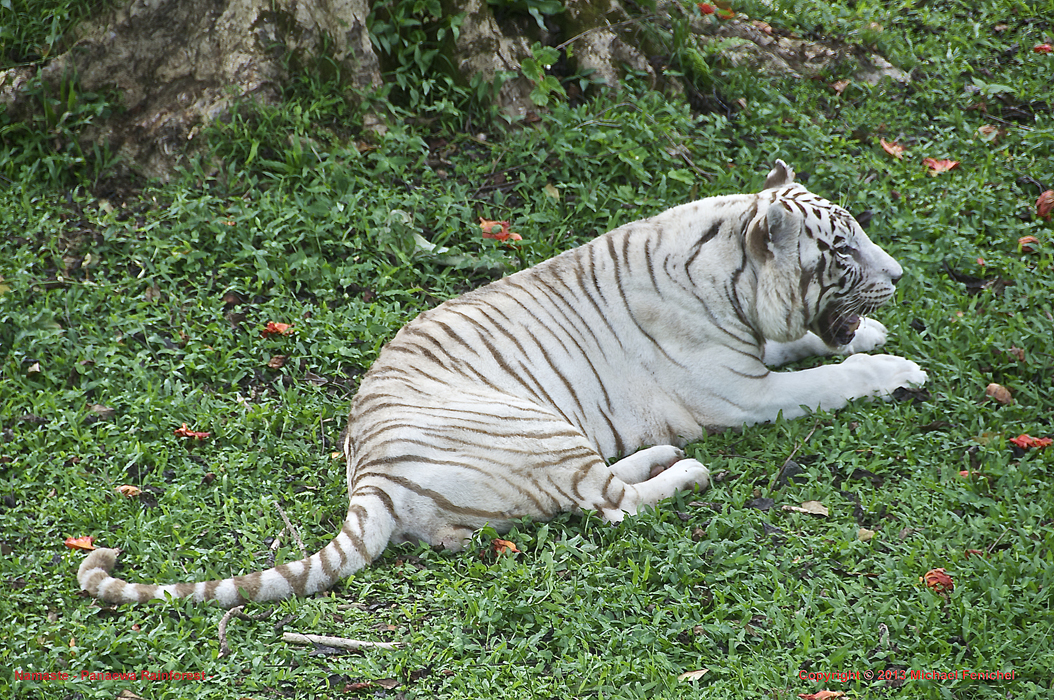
<point>816,268</point>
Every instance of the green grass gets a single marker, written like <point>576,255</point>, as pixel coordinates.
<point>151,299</point>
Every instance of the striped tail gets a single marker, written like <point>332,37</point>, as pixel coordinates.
<point>367,529</point>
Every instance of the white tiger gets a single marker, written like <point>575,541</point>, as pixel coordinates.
<point>505,402</point>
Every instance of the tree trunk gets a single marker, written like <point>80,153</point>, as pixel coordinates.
<point>179,64</point>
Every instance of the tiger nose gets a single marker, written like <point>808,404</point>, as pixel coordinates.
<point>890,266</point>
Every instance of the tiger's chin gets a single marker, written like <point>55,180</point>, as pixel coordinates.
<point>837,331</point>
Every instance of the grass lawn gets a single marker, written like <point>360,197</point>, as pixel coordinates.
<point>129,308</point>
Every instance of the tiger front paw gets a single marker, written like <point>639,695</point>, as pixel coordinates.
<point>884,374</point>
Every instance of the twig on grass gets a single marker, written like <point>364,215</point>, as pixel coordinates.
<point>991,547</point>
<point>793,454</point>
<point>337,642</point>
<point>292,531</point>
<point>225,620</point>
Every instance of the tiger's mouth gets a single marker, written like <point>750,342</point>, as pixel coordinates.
<point>837,330</point>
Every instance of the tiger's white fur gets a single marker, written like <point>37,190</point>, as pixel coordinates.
<point>505,402</point>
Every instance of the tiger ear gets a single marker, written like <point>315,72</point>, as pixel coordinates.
<point>775,235</point>
<point>781,174</point>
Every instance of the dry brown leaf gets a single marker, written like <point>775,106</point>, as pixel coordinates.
<point>938,166</point>
<point>274,328</point>
<point>1027,244</point>
<point>504,546</point>
<point>103,412</point>
<point>84,543</point>
<point>232,298</point>
<point>865,535</point>
<point>999,393</point>
<point>990,134</point>
<point>810,507</point>
<point>1044,205</point>
<point>185,432</point>
<point>357,685</point>
<point>892,148</point>
<point>938,580</point>
<point>693,675</point>
<point>128,491</point>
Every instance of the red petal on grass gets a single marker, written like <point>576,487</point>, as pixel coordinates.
<point>1043,48</point>
<point>186,432</point>
<point>894,149</point>
<point>821,695</point>
<point>273,328</point>
<point>503,546</point>
<point>706,8</point>
<point>939,166</point>
<point>84,543</point>
<point>938,580</point>
<point>1027,442</point>
<point>498,230</point>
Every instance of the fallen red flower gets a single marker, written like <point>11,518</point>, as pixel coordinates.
<point>503,546</point>
<point>273,328</point>
<point>80,542</point>
<point>1043,48</point>
<point>892,148</point>
<point>720,10</point>
<point>186,432</point>
<point>498,230</point>
<point>1027,442</point>
<point>939,166</point>
<point>938,580</point>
